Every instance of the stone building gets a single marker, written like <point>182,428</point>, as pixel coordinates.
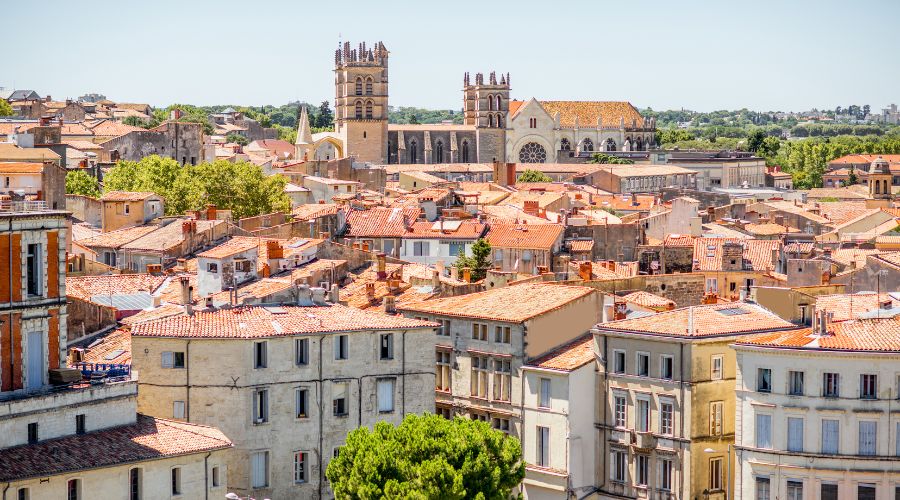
<point>122,209</point>
<point>180,141</point>
<point>285,383</point>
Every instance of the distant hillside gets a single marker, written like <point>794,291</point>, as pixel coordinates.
<point>422,115</point>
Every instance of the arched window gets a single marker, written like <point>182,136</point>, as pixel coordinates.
<point>498,103</point>
<point>639,144</point>
<point>490,103</point>
<point>532,152</point>
<point>490,120</point>
<point>499,120</point>
<point>413,151</point>
<point>587,144</point>
<point>359,107</point>
<point>610,145</point>
<point>465,152</point>
<point>369,109</point>
<point>359,85</point>
<point>564,145</point>
<point>439,152</point>
<point>369,86</point>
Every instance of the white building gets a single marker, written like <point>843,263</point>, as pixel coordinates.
<point>817,413</point>
<point>430,242</point>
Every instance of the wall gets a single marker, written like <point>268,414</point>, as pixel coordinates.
<point>262,221</point>
<point>86,317</point>
<point>683,289</point>
<point>611,241</point>
<point>84,208</point>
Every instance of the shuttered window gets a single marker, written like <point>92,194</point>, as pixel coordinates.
<point>386,395</point>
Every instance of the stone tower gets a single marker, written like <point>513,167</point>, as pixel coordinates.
<point>879,179</point>
<point>361,100</point>
<point>486,105</point>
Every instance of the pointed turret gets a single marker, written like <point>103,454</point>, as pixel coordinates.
<point>304,133</point>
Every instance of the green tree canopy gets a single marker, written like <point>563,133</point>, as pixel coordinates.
<point>134,121</point>
<point>79,182</point>
<point>427,457</point>
<point>5,108</point>
<point>531,175</point>
<point>610,159</point>
<point>479,262</point>
<point>237,139</point>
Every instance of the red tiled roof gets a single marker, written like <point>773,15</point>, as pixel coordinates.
<point>649,300</point>
<point>527,236</point>
<point>581,245</point>
<point>849,306</point>
<point>380,222</point>
<point>126,196</point>
<point>85,287</point>
<point>464,230</point>
<point>799,247</point>
<point>260,322</point>
<point>119,237</point>
<point>511,303</point>
<point>235,245</point>
<point>569,356</point>
<point>314,210</point>
<point>708,253</point>
<point>863,158</point>
<point>882,335</point>
<point>730,318</point>
<point>113,348</point>
<point>148,439</point>
<point>21,168</point>
<point>679,240</point>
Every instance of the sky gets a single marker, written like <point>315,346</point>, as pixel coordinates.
<point>702,55</point>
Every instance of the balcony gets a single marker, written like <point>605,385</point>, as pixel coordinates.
<point>633,491</point>
<point>49,397</point>
<point>644,440</point>
<point>9,206</point>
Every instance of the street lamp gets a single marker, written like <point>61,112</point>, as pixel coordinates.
<point>727,468</point>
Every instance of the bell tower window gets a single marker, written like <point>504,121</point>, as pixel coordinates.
<point>359,109</point>
<point>369,110</point>
<point>359,85</point>
<point>369,86</point>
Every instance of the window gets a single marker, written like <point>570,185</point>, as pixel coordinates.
<point>216,481</point>
<point>386,349</point>
<point>359,114</point>
<point>386,395</point>
<point>865,491</point>
<point>479,331</point>
<point>340,347</point>
<point>33,270</point>
<point>260,406</point>
<point>643,364</point>
<point>715,417</point>
<point>831,436</point>
<point>444,330</point>
<point>501,334</point>
<point>339,402</point>
<point>666,367</point>
<point>619,361</point>
<point>643,415</point>
<point>868,386</point>
<point>127,208</point>
<point>543,446</point>
<point>795,434</point>
<point>795,383</point>
<point>619,469</point>
<point>369,109</point>
<point>867,435</point>
<point>715,474</point>
<point>502,379</point>
<point>666,417</point>
<point>259,469</point>
<point>544,399</point>
<point>359,86</point>
<point>762,488</point>
<point>716,363</point>
<point>643,469</point>
<point>828,491</point>
<point>301,351</point>
<point>178,410</point>
<point>259,354</point>
<point>794,490</point>
<point>212,267</point>
<point>665,474</point>
<point>301,402</point>
<point>763,430</point>
<point>369,86</point>
<point>897,439</point>
<point>442,380</point>
<point>134,484</point>
<point>172,359</point>
<point>620,410</point>
<point>176,481</point>
<point>712,285</point>
<point>831,385</point>
<point>22,494</point>
<point>73,489</point>
<point>532,152</point>
<point>300,467</point>
<point>79,424</point>
<point>501,424</point>
<point>763,380</point>
<point>32,433</point>
<point>243,265</point>
<point>479,376</point>
<point>587,145</point>
<point>336,452</point>
<point>565,145</point>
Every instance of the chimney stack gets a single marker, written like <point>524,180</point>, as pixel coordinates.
<point>467,275</point>
<point>585,271</point>
<point>435,279</point>
<point>381,260</point>
<point>370,290</point>
<point>390,304</point>
<point>186,295</point>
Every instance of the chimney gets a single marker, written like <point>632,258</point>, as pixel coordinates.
<point>435,279</point>
<point>585,271</point>
<point>304,296</point>
<point>620,310</point>
<point>274,249</point>
<point>318,296</point>
<point>531,207</point>
<point>186,295</point>
<point>365,246</point>
<point>188,227</point>
<point>154,269</point>
<point>210,212</point>
<point>324,235</point>
<point>209,303</point>
<point>885,304</point>
<point>454,272</point>
<point>381,260</point>
<point>370,290</point>
<point>390,304</point>
<point>335,293</point>
<point>710,298</point>
<point>467,275</point>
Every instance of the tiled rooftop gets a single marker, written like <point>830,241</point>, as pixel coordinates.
<point>85,287</point>
<point>314,210</point>
<point>452,230</point>
<point>708,253</point>
<point>588,112</point>
<point>882,335</point>
<point>119,237</point>
<point>524,236</point>
<point>569,356</point>
<point>235,245</point>
<point>849,306</point>
<point>381,222</point>
<point>649,300</point>
<point>126,196</point>
<point>731,318</point>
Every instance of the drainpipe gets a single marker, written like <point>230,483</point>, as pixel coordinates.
<point>681,383</point>
<point>604,474</point>
<point>187,366</point>
<point>403,376</point>
<point>320,397</point>
<point>12,351</point>
<point>206,475</point>
<point>4,490</point>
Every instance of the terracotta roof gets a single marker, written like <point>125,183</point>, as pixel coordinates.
<point>882,335</point>
<point>281,149</point>
<point>601,270</point>
<point>702,321</point>
<point>380,222</point>
<point>85,287</point>
<point>649,300</point>
<point>12,152</point>
<point>511,214</point>
<point>858,255</point>
<point>511,303</point>
<point>839,193</point>
<point>314,210</point>
<point>847,306</point>
<point>235,245</point>
<point>864,158</point>
<point>82,145</point>
<point>708,253</point>
<point>148,439</point>
<point>169,236</point>
<point>679,240</point>
<point>625,202</point>
<point>260,322</point>
<point>259,289</point>
<point>799,247</point>
<point>588,112</point>
<point>83,231</point>
<point>525,236</point>
<point>569,356</point>
<point>162,311</point>
<point>581,245</point>
<point>892,258</point>
<point>113,348</point>
<point>170,292</point>
<point>111,128</point>
<point>126,196</point>
<point>119,237</point>
<point>452,230</point>
<point>840,212</point>
<point>768,229</point>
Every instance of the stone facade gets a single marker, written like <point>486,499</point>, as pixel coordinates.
<point>180,141</point>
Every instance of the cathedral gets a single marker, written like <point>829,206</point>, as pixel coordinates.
<point>494,128</point>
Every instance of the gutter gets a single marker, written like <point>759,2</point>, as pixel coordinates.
<point>206,475</point>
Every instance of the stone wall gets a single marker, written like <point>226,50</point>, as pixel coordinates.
<point>683,289</point>
<point>670,259</point>
<point>86,317</point>
<point>617,242</point>
<point>84,208</point>
<point>262,221</point>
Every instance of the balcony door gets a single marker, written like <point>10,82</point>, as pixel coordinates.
<point>35,369</point>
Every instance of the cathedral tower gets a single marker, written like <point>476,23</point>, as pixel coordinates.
<point>486,105</point>
<point>361,100</point>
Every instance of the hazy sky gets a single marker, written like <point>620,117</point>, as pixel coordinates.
<point>667,54</point>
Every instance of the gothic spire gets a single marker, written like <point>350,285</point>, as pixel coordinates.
<point>304,134</point>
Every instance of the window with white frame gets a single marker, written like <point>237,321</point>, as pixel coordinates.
<point>259,469</point>
<point>619,361</point>
<point>831,385</point>
<point>795,383</point>
<point>543,446</point>
<point>716,418</point>
<point>341,347</point>
<point>618,470</point>
<point>301,402</point>
<point>868,430</point>
<point>666,417</point>
<point>795,434</point>
<point>763,380</point>
<point>421,249</point>
<point>502,379</point>
<point>301,467</point>
<point>643,415</point>
<point>763,430</point>
<point>619,414</point>
<point>716,363</point>
<point>665,474</point>
<point>831,436</point>
<point>794,490</point>
<point>763,488</point>
<point>501,334</point>
<point>666,367</point>
<point>301,351</point>
<point>544,396</point>
<point>479,331</point>
<point>386,395</point>
<point>643,364</point>
<point>442,380</point>
<point>172,359</point>
<point>260,406</point>
<point>479,376</point>
<point>501,424</point>
<point>868,386</point>
<point>712,285</point>
<point>642,470</point>
<point>444,330</point>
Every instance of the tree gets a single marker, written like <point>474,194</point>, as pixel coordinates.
<point>134,121</point>
<point>236,138</point>
<point>852,178</point>
<point>427,457</point>
<point>530,175</point>
<point>79,182</point>
<point>604,158</point>
<point>5,108</point>
<point>479,262</point>
<point>755,140</point>
<point>324,118</point>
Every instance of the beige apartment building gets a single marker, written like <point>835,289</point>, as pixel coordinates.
<point>285,383</point>
<point>120,209</point>
<point>666,392</point>
<point>485,339</point>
